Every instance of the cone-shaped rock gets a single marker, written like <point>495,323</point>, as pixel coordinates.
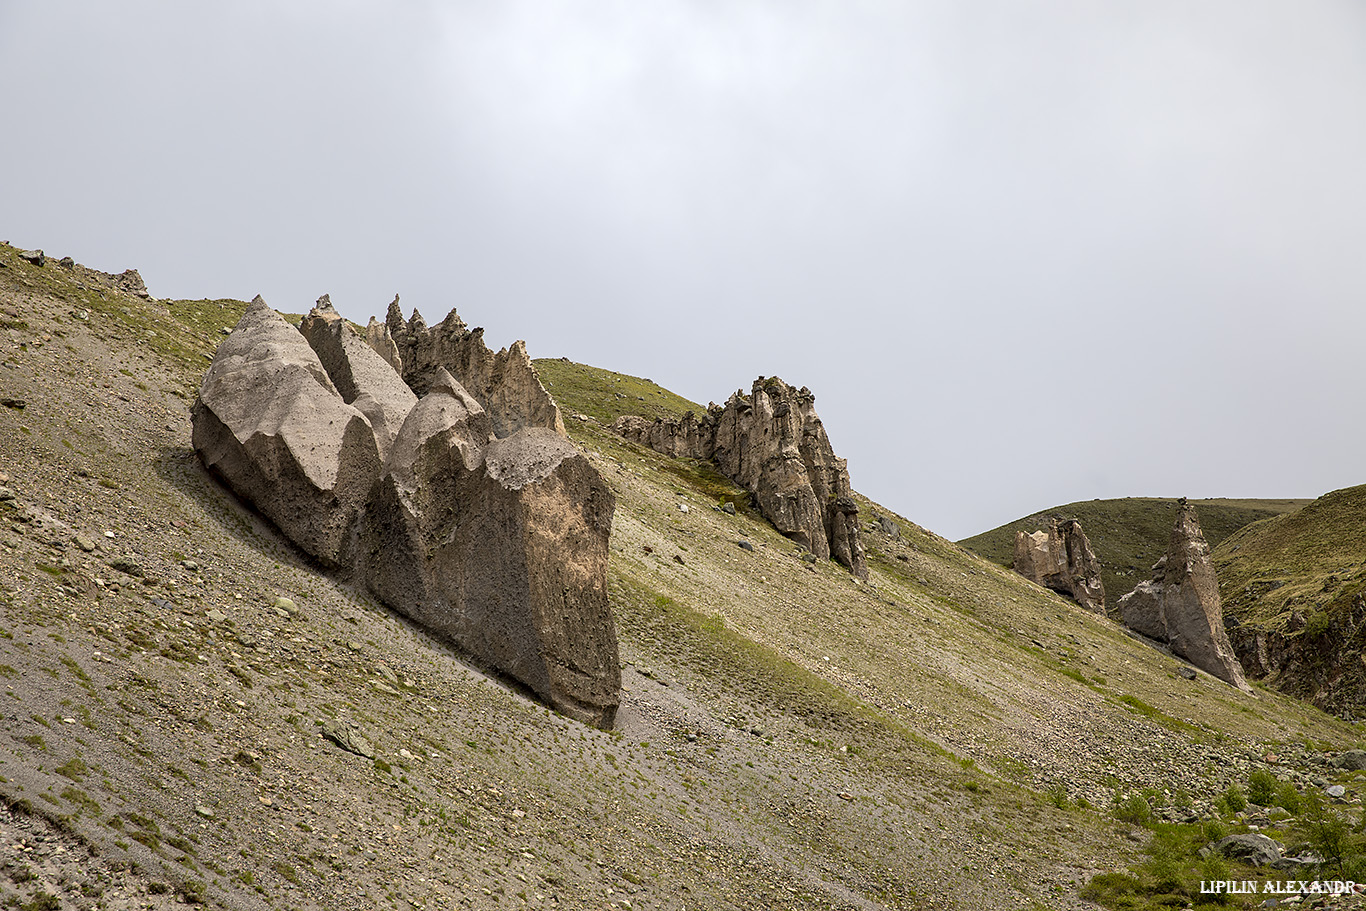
<point>1181,605</point>
<point>364,378</point>
<point>505,381</point>
<point>271,424</point>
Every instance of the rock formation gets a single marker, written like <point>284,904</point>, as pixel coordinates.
<point>773,444</point>
<point>493,536</point>
<point>271,424</point>
<point>500,545</point>
<point>362,377</point>
<point>1180,605</point>
<point>506,382</point>
<point>1060,558</point>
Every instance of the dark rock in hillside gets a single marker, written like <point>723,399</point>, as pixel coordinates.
<point>1350,760</point>
<point>773,444</point>
<point>1249,847</point>
<point>1180,605</point>
<point>271,424</point>
<point>364,378</point>
<point>501,547</point>
<point>497,544</point>
<point>1060,558</point>
<point>130,281</point>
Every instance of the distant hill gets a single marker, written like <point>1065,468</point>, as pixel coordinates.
<point>1129,535</point>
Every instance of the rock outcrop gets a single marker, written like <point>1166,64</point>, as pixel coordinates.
<point>362,377</point>
<point>1060,558</point>
<point>494,538</point>
<point>1180,605</point>
<point>270,422</point>
<point>505,381</point>
<point>499,545</point>
<point>773,444</point>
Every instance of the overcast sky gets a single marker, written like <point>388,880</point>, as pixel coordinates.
<point>1024,253</point>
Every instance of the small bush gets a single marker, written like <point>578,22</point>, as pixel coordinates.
<point>1212,830</point>
<point>1214,869</point>
<point>1110,888</point>
<point>1261,787</point>
<point>1316,624</point>
<point>1132,809</point>
<point>1233,800</point>
<point>1327,833</point>
<point>1288,797</point>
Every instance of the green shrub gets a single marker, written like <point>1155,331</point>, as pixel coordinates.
<point>1110,889</point>
<point>1166,863</point>
<point>1316,624</point>
<point>1233,800</point>
<point>1261,787</point>
<point>1212,830</point>
<point>1288,797</point>
<point>1132,809</point>
<point>1327,833</point>
<point>1214,869</point>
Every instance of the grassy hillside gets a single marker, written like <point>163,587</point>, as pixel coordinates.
<point>1311,559</point>
<point>944,736</point>
<point>1129,535</point>
<point>1294,591</point>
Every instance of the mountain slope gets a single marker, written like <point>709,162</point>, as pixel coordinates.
<point>1294,592</point>
<point>1129,535</point>
<point>788,736</point>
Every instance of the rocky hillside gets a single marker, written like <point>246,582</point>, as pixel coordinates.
<point>193,712</point>
<point>1294,590</point>
<point>1129,535</point>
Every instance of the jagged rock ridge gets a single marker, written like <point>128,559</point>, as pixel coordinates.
<point>773,444</point>
<point>1181,606</point>
<point>491,535</point>
<point>1060,558</point>
<point>505,381</point>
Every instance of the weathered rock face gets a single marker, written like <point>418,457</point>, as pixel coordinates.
<point>1060,558</point>
<point>362,377</point>
<point>506,381</point>
<point>1180,605</point>
<point>499,544</point>
<point>271,424</point>
<point>377,335</point>
<point>773,444</point>
<point>1306,662</point>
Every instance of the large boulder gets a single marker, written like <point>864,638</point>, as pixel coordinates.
<point>1251,848</point>
<point>493,535</point>
<point>1060,558</point>
<point>361,375</point>
<point>1180,605</point>
<point>270,422</point>
<point>499,545</point>
<point>772,443</point>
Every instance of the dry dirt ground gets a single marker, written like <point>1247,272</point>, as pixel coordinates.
<point>173,732</point>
